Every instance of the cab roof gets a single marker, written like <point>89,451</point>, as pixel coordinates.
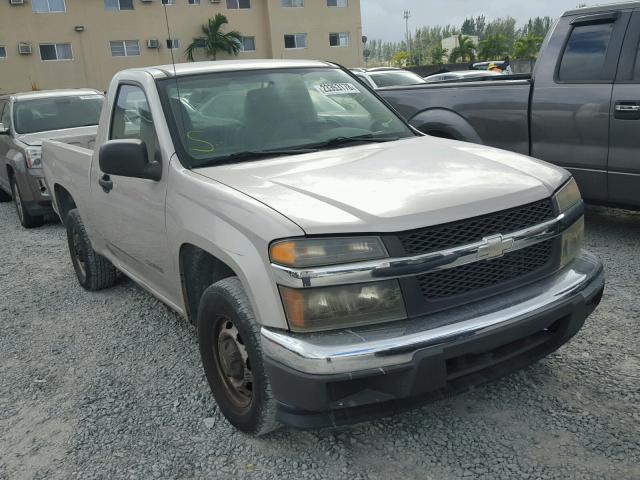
<point>604,7</point>
<point>69,92</point>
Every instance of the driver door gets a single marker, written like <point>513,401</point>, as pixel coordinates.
<point>132,214</point>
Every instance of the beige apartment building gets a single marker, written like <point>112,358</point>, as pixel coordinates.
<point>48,44</point>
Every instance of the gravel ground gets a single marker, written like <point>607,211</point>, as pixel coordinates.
<point>109,385</point>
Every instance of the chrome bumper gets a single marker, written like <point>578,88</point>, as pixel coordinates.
<point>377,347</point>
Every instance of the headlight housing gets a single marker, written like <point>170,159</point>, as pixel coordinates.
<point>315,252</point>
<point>33,157</point>
<point>317,309</point>
<point>567,196</point>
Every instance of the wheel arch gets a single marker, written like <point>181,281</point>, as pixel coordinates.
<point>64,201</point>
<point>198,270</point>
<point>441,122</point>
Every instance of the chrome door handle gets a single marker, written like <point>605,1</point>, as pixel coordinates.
<point>627,108</point>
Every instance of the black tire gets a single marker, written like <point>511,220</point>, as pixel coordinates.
<point>26,219</point>
<point>226,326</point>
<point>94,272</point>
<point>4,196</point>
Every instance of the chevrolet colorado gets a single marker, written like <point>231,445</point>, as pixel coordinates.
<point>338,264</point>
<point>580,109</point>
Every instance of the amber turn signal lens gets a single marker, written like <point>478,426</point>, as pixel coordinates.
<point>284,253</point>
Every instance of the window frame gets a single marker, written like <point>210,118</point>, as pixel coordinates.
<point>8,107</point>
<point>124,47</point>
<point>242,50</point>
<point>120,9</point>
<point>3,48</point>
<point>237,2</point>
<point>282,5</point>
<point>167,2</point>
<point>339,34</point>
<point>295,35</point>
<point>64,7</point>
<point>55,45</point>
<point>193,2</point>
<point>175,44</point>
<point>620,21</point>
<point>346,4</point>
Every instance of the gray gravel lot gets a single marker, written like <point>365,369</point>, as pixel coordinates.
<point>109,385</point>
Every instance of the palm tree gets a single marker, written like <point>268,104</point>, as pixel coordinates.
<point>465,50</point>
<point>214,40</point>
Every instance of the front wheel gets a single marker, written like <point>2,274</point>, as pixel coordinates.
<point>232,358</point>
<point>26,219</point>
<point>94,272</point>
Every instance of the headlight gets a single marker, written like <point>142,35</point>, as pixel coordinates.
<point>33,156</point>
<point>308,252</point>
<point>567,196</point>
<point>572,240</point>
<point>329,308</point>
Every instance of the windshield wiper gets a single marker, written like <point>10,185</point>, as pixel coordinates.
<point>337,141</point>
<point>253,155</point>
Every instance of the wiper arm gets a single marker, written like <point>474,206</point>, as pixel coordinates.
<point>253,155</point>
<point>367,138</point>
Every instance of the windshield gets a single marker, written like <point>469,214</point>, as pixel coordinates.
<point>392,79</point>
<point>222,115</point>
<point>57,113</point>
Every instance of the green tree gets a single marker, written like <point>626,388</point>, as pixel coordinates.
<point>527,48</point>
<point>465,51</point>
<point>495,47</point>
<point>214,40</point>
<point>437,53</point>
<point>400,59</point>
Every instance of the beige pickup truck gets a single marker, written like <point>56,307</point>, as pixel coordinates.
<point>338,264</point>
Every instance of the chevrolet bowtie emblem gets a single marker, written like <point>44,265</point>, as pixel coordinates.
<point>494,247</point>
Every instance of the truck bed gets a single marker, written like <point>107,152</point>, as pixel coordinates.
<point>489,111</point>
<point>67,161</point>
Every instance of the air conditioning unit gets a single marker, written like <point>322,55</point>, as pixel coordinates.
<point>16,2</point>
<point>153,43</point>
<point>25,49</point>
<point>215,1</point>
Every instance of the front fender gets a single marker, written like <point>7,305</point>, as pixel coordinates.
<point>445,123</point>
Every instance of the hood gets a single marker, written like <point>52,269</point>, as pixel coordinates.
<point>36,139</point>
<point>393,186</point>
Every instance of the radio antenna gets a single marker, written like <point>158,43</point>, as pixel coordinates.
<point>175,77</point>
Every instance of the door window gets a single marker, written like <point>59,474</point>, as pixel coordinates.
<point>5,117</point>
<point>132,119</point>
<point>585,54</point>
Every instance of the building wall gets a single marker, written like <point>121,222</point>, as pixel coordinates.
<point>93,65</point>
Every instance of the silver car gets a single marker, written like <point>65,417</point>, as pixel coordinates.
<point>26,119</point>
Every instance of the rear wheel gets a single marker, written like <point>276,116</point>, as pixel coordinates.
<point>94,272</point>
<point>26,219</point>
<point>232,358</point>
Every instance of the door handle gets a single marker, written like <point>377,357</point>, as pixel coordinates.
<point>106,183</point>
<point>627,108</point>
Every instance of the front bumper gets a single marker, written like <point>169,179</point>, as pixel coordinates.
<point>342,377</point>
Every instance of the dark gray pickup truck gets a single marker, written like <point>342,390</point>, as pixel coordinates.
<point>580,108</point>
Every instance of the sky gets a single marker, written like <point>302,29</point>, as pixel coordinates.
<point>382,19</point>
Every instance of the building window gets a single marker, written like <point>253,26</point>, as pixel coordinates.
<point>173,43</point>
<point>193,2</point>
<point>342,39</point>
<point>238,4</point>
<point>248,44</point>
<point>56,51</point>
<point>47,6</point>
<point>168,2</point>
<point>118,5</point>
<point>292,3</point>
<point>295,40</point>
<point>3,52</point>
<point>337,3</point>
<point>125,48</point>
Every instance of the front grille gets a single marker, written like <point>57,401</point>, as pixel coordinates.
<point>472,230</point>
<point>486,273</point>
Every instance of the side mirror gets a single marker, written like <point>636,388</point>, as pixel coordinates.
<point>128,158</point>
<point>4,130</point>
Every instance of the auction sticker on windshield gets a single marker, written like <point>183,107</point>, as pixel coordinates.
<point>337,89</point>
